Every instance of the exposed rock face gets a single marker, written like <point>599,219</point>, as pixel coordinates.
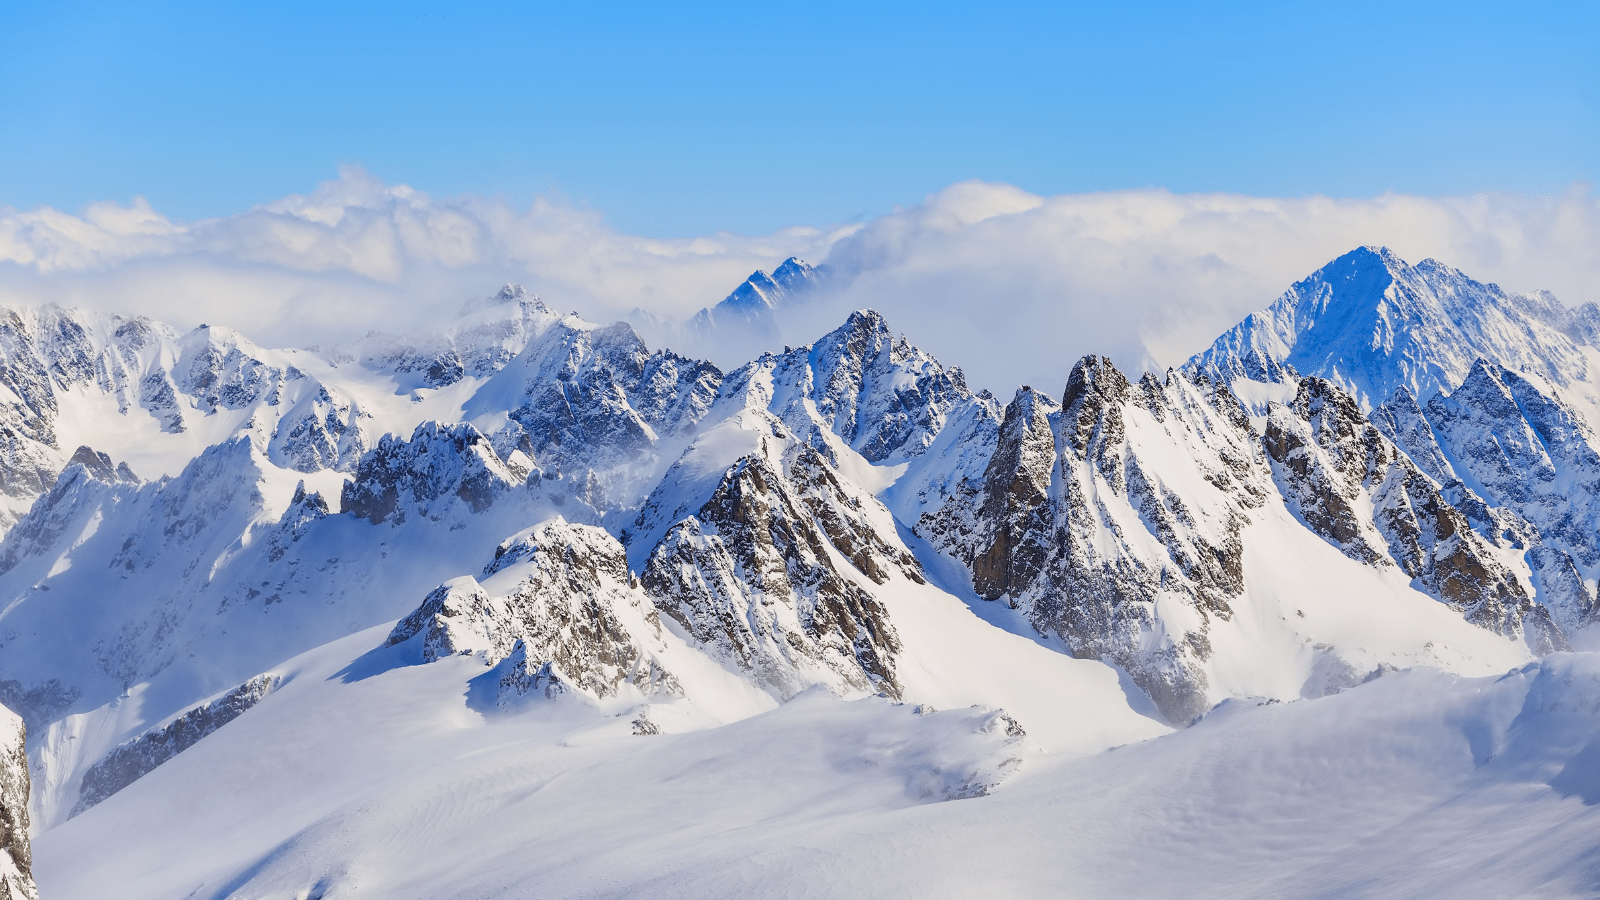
<point>47,354</point>
<point>425,475</point>
<point>880,394</point>
<point>1561,588</point>
<point>305,508</point>
<point>1122,528</point>
<point>753,577</point>
<point>1402,421</point>
<point>137,758</point>
<point>1324,455</point>
<point>16,859</point>
<point>1338,464</point>
<point>999,525</point>
<point>1084,520</point>
<point>1529,452</point>
<point>558,603</point>
<point>1018,492</point>
<point>596,396</point>
<point>1535,463</point>
<point>883,396</point>
<point>52,515</point>
<point>101,467</point>
<point>1171,540</point>
<point>520,675</point>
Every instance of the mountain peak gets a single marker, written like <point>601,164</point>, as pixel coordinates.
<point>795,275</point>
<point>1370,322</point>
<point>752,306</point>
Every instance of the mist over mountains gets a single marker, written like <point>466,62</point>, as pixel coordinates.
<point>1144,277</point>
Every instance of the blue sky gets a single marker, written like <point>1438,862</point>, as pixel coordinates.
<point>683,120</point>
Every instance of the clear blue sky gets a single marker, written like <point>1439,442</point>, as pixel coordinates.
<point>677,120</point>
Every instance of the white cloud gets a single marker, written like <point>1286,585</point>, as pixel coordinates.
<point>1016,288</point>
<point>357,254</point>
<point>1013,287</point>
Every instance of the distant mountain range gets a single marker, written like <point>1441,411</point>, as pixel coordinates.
<point>246,593</point>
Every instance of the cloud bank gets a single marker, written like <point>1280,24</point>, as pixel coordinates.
<point>1012,286</point>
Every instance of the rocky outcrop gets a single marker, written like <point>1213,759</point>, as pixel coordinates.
<point>1528,451</point>
<point>59,510</point>
<point>1090,519</point>
<point>1332,466</point>
<point>427,475</point>
<point>999,524</point>
<point>101,467</point>
<point>879,394</point>
<point>139,757</point>
<point>305,509</point>
<point>559,608</point>
<point>885,397</point>
<point>1324,454</point>
<point>1131,498</point>
<point>1170,540</point>
<point>596,396</point>
<point>16,859</point>
<point>1535,470</point>
<point>50,355</point>
<point>753,576</point>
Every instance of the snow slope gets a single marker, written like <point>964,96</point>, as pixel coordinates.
<point>383,784</point>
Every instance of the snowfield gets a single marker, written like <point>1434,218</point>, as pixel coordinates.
<point>372,778</point>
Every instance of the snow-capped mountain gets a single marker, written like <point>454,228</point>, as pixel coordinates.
<point>752,307</point>
<point>1371,323</point>
<point>283,597</point>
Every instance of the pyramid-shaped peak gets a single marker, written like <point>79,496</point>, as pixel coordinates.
<point>511,292</point>
<point>794,274</point>
<point>756,292</point>
<point>1027,400</point>
<point>1484,374</point>
<point>1366,259</point>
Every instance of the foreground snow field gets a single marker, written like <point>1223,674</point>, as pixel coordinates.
<point>374,779</point>
<point>522,607</point>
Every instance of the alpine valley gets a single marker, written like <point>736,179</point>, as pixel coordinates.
<point>521,607</point>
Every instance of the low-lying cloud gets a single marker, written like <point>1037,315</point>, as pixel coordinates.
<point>1012,286</point>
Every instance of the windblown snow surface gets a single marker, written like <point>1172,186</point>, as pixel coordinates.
<point>525,609</point>
<point>378,781</point>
